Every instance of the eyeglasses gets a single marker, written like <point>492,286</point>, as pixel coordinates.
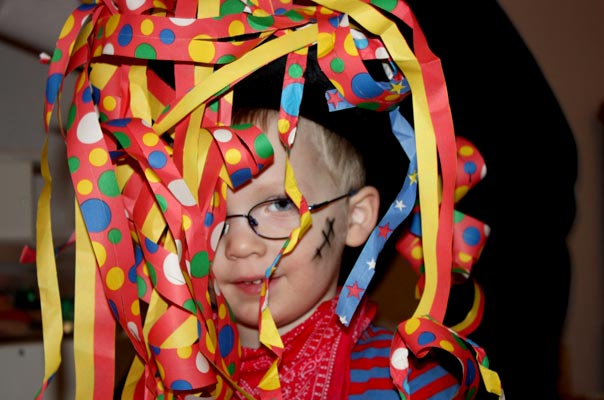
<point>277,218</point>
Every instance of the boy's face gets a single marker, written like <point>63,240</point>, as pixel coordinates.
<point>307,275</point>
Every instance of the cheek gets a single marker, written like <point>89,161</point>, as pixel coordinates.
<point>215,267</point>
<point>323,239</point>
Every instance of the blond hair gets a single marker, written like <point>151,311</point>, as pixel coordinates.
<point>342,160</point>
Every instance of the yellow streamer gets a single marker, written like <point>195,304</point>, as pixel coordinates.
<point>136,371</point>
<point>50,298</point>
<point>473,313</point>
<point>139,104</point>
<point>248,63</point>
<point>183,335</point>
<point>102,73</point>
<point>427,164</point>
<point>491,380</point>
<point>269,334</point>
<point>84,321</point>
<point>270,381</point>
<point>155,224</point>
<point>197,142</point>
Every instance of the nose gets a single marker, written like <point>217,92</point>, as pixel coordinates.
<point>239,239</point>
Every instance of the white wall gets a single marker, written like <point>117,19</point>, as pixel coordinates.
<point>26,361</point>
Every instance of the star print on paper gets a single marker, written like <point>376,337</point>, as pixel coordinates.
<point>385,231</point>
<point>398,87</point>
<point>354,290</point>
<point>333,97</point>
<point>335,101</point>
<point>412,177</point>
<point>364,268</point>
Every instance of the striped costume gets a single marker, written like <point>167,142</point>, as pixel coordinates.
<point>324,360</point>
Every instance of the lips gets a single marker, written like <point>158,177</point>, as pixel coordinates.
<point>252,286</point>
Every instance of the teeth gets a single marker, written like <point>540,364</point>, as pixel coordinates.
<point>256,282</point>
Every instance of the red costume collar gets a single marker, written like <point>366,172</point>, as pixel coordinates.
<point>316,355</point>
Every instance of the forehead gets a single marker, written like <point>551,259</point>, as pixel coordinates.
<point>307,151</point>
<point>306,156</point>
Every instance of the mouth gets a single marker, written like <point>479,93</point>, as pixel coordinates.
<point>254,282</point>
<point>252,286</point>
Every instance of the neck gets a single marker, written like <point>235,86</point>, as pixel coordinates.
<point>249,336</point>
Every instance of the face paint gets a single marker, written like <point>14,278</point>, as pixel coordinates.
<point>328,233</point>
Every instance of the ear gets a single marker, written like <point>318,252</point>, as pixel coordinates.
<point>363,208</point>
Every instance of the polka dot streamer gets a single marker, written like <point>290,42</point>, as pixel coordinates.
<point>469,234</point>
<point>422,335</point>
<point>340,60</point>
<point>150,162</point>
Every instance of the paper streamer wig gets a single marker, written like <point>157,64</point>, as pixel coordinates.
<point>150,163</point>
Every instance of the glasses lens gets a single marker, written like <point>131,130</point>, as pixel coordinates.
<point>275,218</point>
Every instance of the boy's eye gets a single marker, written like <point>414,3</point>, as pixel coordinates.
<point>283,204</point>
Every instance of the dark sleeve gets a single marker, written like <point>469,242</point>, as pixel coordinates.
<point>501,101</point>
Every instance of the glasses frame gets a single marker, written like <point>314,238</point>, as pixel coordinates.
<point>253,223</point>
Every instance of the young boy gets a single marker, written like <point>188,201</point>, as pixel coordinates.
<point>303,288</point>
<point>322,358</point>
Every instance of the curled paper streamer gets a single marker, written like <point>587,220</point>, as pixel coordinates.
<point>151,162</point>
<point>469,234</point>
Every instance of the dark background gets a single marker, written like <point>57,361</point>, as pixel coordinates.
<point>501,101</point>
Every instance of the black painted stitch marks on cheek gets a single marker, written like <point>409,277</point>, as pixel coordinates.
<point>328,233</point>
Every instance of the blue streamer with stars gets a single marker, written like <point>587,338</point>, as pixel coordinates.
<point>359,278</point>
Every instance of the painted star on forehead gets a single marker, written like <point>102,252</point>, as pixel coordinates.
<point>399,205</point>
<point>385,231</point>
